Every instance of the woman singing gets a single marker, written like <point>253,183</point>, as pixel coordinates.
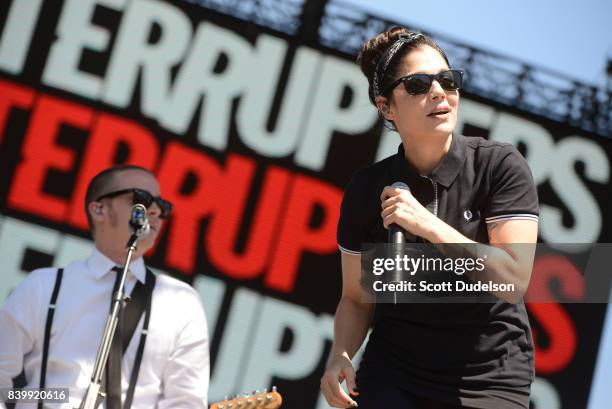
<point>462,190</point>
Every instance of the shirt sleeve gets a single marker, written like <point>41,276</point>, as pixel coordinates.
<point>187,372</point>
<point>353,216</point>
<point>513,194</point>
<point>18,320</point>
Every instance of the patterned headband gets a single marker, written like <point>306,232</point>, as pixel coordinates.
<point>385,60</point>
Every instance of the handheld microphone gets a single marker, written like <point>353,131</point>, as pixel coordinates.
<point>397,235</point>
<point>138,220</point>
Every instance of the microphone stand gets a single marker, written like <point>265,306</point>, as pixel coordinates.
<point>93,397</point>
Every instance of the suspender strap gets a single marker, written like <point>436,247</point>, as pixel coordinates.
<point>141,300</point>
<point>48,324</point>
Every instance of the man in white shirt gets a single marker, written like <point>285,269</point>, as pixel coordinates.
<point>174,369</point>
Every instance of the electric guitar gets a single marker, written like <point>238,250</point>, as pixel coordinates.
<point>265,400</point>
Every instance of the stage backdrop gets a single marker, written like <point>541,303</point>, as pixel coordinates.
<point>253,135</point>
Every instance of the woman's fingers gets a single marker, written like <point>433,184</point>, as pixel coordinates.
<point>391,196</point>
<point>349,376</point>
<point>329,395</point>
<point>391,208</point>
<point>333,392</point>
<point>395,212</point>
<point>389,191</point>
<point>391,201</point>
<point>335,395</point>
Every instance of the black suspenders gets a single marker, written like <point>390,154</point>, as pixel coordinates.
<point>141,300</point>
<point>50,313</point>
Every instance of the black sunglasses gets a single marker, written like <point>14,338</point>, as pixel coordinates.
<point>144,198</point>
<point>417,84</point>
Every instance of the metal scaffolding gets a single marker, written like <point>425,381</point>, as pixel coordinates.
<point>509,81</point>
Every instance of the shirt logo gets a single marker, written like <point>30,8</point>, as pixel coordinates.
<point>467,215</point>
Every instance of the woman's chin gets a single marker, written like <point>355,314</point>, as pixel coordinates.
<point>442,129</point>
<point>441,132</point>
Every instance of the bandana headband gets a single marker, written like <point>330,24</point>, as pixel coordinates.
<point>385,60</point>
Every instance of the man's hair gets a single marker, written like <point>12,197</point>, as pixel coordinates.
<point>102,183</point>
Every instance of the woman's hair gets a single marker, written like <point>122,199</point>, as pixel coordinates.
<point>377,58</point>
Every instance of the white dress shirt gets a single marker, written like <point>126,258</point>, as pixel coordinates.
<point>174,372</point>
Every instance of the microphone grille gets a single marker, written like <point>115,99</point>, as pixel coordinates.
<point>139,214</point>
<point>138,220</point>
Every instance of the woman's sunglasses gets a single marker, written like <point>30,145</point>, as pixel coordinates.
<point>142,197</point>
<point>417,84</point>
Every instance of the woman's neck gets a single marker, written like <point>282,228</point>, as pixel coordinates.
<point>426,155</point>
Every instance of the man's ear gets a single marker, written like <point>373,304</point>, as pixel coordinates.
<point>96,210</point>
<point>382,104</point>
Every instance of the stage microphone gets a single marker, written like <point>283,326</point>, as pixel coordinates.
<point>138,220</point>
<point>397,235</point>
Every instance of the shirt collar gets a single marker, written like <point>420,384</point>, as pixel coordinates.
<point>99,265</point>
<point>448,169</point>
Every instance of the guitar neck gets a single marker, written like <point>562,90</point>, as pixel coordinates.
<point>264,400</point>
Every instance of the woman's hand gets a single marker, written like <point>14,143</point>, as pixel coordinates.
<point>399,206</point>
<point>340,369</point>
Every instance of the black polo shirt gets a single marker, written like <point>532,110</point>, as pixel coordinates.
<point>479,355</point>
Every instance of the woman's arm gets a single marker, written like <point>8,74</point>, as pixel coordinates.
<point>510,252</point>
<point>351,325</point>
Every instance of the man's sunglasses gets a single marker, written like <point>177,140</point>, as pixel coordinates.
<point>142,197</point>
<point>417,84</point>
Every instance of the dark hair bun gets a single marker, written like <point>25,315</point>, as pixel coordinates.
<point>375,48</point>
